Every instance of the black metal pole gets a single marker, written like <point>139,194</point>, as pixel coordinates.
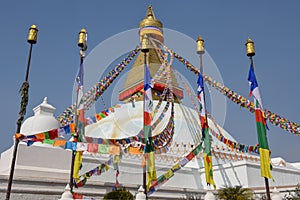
<point>266,179</point>
<point>201,65</point>
<point>12,169</point>
<point>201,71</point>
<point>145,163</point>
<point>267,189</point>
<point>251,61</point>
<point>76,135</point>
<point>72,170</point>
<point>24,101</point>
<point>28,64</point>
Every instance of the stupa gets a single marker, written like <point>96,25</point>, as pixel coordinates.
<point>42,165</point>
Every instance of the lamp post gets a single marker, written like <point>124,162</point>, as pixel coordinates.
<point>250,51</point>
<point>82,43</point>
<point>145,45</point>
<point>31,39</point>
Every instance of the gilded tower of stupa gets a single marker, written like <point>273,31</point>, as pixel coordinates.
<point>153,28</point>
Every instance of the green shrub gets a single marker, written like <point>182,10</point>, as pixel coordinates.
<point>119,194</point>
<point>235,193</point>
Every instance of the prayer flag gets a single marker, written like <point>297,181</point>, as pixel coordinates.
<point>114,150</point>
<point>169,174</point>
<point>93,148</point>
<point>71,145</point>
<point>149,148</point>
<point>53,134</point>
<point>148,103</point>
<point>71,128</point>
<point>81,146</point>
<point>59,143</point>
<point>134,150</point>
<point>40,136</point>
<point>205,134</point>
<point>264,152</point>
<point>48,141</point>
<point>77,165</point>
<point>254,85</point>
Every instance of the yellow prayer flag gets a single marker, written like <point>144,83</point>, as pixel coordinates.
<point>77,165</point>
<point>209,170</point>
<point>151,171</point>
<point>169,174</point>
<point>265,163</point>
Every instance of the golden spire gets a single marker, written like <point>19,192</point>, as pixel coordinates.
<point>149,28</point>
<point>150,19</point>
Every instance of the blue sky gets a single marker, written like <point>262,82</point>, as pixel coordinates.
<point>225,26</point>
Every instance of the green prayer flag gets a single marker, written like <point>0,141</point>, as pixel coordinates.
<point>48,141</point>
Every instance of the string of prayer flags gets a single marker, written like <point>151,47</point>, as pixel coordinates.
<point>233,145</point>
<point>170,173</point>
<point>219,135</point>
<point>97,90</point>
<point>67,129</point>
<point>159,141</point>
<point>103,167</point>
<point>101,115</point>
<point>75,146</point>
<point>274,118</point>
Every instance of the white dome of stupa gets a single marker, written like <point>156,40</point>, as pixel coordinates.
<point>127,121</point>
<point>43,119</point>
